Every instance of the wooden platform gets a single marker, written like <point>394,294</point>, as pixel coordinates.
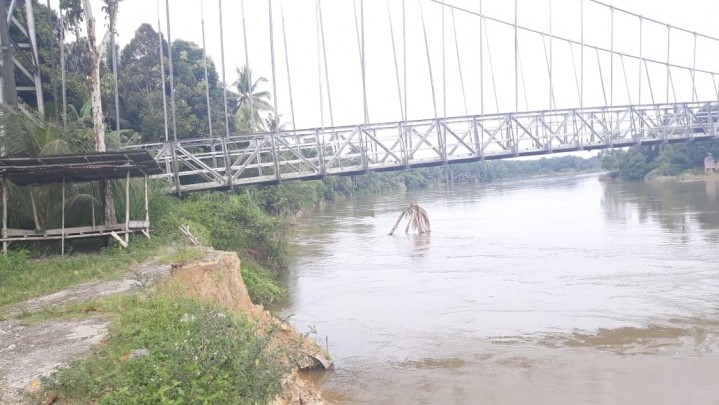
<point>22,235</point>
<point>84,168</point>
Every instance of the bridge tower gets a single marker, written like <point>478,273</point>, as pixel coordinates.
<point>19,62</point>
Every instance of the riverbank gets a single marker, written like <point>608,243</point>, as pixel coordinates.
<point>690,175</point>
<point>180,331</point>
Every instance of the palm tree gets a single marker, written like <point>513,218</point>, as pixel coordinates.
<point>250,101</point>
<point>273,123</point>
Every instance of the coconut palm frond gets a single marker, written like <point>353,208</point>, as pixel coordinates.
<point>418,220</point>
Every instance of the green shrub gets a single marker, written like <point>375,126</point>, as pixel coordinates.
<point>261,284</point>
<point>195,355</point>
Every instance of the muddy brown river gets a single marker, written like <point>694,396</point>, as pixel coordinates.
<point>542,291</point>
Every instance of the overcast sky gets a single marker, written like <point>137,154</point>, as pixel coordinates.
<point>343,56</point>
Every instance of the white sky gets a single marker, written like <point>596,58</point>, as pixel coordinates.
<point>344,67</point>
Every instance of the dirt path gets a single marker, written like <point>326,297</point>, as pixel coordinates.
<point>29,351</point>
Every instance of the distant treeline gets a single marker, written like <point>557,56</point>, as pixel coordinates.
<point>293,196</point>
<point>646,162</point>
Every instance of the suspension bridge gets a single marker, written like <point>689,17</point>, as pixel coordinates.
<point>492,88</point>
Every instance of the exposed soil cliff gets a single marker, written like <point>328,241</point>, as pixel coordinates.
<point>216,279</point>
<point>30,351</point>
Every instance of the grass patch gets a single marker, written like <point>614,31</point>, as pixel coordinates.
<point>183,255</point>
<point>23,277</point>
<point>195,355</point>
<point>107,307</point>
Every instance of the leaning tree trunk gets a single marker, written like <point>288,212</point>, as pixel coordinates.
<point>98,123</point>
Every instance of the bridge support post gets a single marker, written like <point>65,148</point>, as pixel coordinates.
<point>320,154</point>
<point>29,64</point>
<point>8,91</point>
<point>228,161</point>
<point>364,146</point>
<point>275,156</point>
<point>403,145</point>
<point>478,152</point>
<point>442,140</point>
<point>175,168</point>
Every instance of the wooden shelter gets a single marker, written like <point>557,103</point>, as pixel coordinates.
<point>86,168</point>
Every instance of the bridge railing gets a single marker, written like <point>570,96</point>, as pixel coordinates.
<point>219,163</point>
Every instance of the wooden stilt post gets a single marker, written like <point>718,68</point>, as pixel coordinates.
<point>4,217</point>
<point>127,206</point>
<point>62,236</point>
<point>92,207</point>
<point>34,209</point>
<point>147,210</point>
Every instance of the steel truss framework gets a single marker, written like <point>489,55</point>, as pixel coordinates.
<point>20,57</point>
<point>223,163</point>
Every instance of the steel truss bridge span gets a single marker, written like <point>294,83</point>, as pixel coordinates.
<point>269,158</point>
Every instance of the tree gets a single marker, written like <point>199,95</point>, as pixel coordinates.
<point>141,87</point>
<point>98,116</point>
<point>141,84</point>
<point>190,92</point>
<point>77,12</point>
<point>250,101</point>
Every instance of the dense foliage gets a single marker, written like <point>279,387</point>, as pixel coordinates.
<point>644,162</point>
<point>139,77</point>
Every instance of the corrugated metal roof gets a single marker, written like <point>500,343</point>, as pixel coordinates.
<point>78,168</point>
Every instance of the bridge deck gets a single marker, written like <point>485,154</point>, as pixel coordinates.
<point>267,158</point>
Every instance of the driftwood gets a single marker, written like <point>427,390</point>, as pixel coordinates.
<point>186,231</point>
<point>418,219</point>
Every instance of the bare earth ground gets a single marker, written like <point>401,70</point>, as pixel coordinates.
<point>28,352</point>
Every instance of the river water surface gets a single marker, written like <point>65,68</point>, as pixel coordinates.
<point>552,290</point>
